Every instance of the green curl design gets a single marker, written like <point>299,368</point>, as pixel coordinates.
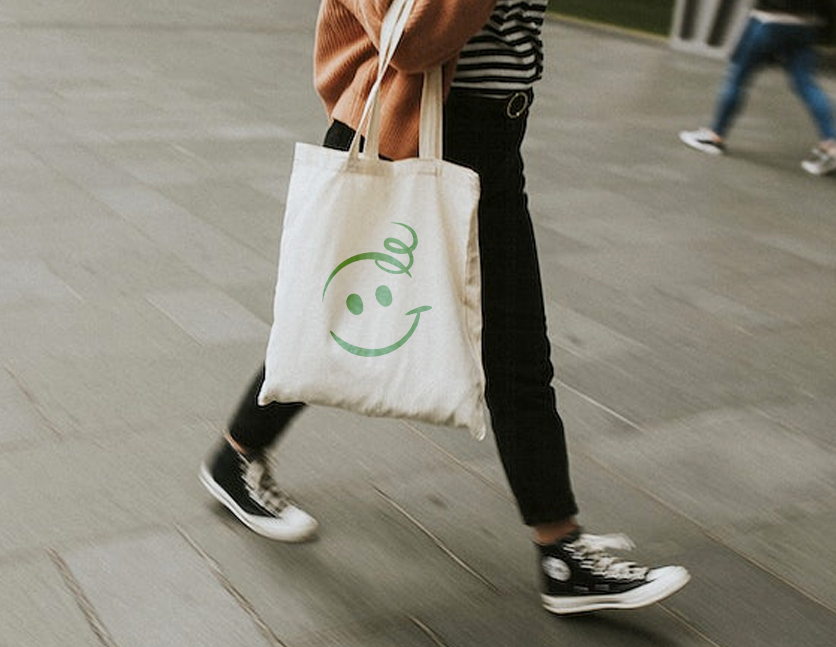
<point>397,247</point>
<point>391,245</point>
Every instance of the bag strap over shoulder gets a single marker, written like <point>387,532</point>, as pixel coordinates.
<point>432,110</point>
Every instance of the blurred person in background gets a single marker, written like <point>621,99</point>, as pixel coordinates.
<point>492,55</point>
<point>786,32</point>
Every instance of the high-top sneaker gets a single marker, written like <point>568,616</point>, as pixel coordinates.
<point>579,575</point>
<point>243,483</point>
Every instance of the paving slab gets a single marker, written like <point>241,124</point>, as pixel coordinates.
<point>113,483</point>
<point>748,468</point>
<point>812,417</point>
<point>776,615</point>
<point>409,631</point>
<point>799,549</point>
<point>369,566</point>
<point>154,590</point>
<point>22,422</point>
<point>78,394</point>
<point>514,621</point>
<point>38,609</point>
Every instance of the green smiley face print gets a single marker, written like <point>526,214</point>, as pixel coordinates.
<point>383,294</point>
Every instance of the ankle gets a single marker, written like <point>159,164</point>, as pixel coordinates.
<point>549,533</point>
<point>235,444</point>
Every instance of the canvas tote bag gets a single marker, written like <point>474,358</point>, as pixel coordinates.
<point>378,302</point>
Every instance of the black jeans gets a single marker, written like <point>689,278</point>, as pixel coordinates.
<point>486,135</point>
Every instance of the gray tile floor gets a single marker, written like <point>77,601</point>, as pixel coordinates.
<point>145,149</point>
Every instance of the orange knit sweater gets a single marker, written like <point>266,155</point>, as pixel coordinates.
<point>345,60</point>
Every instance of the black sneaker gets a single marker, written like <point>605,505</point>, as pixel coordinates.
<point>244,485</point>
<point>703,140</point>
<point>580,576</point>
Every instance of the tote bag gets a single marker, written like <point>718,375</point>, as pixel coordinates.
<point>378,303</point>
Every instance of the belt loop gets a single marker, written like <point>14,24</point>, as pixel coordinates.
<point>517,105</point>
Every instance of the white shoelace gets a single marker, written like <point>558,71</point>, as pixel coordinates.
<point>591,551</point>
<point>262,488</point>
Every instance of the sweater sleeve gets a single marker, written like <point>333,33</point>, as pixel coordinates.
<point>434,34</point>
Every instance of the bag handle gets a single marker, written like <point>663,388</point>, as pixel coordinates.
<point>432,110</point>
<point>431,130</point>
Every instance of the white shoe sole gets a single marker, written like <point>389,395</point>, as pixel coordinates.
<point>816,170</point>
<point>690,140</point>
<point>293,526</point>
<point>666,581</point>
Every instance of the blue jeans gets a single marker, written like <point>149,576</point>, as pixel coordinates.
<point>793,47</point>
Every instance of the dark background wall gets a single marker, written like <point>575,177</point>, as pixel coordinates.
<point>646,15</point>
<point>654,16</point>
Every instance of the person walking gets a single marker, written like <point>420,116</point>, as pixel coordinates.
<point>492,55</point>
<point>784,31</point>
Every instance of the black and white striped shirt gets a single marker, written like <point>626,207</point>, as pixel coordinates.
<point>506,56</point>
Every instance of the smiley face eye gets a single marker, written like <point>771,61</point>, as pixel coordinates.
<point>383,296</point>
<point>354,304</point>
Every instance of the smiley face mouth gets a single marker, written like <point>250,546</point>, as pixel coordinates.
<point>377,352</point>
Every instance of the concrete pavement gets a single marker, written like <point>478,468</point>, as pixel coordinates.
<point>144,154</point>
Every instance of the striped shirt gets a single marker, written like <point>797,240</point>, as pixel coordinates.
<point>506,56</point>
